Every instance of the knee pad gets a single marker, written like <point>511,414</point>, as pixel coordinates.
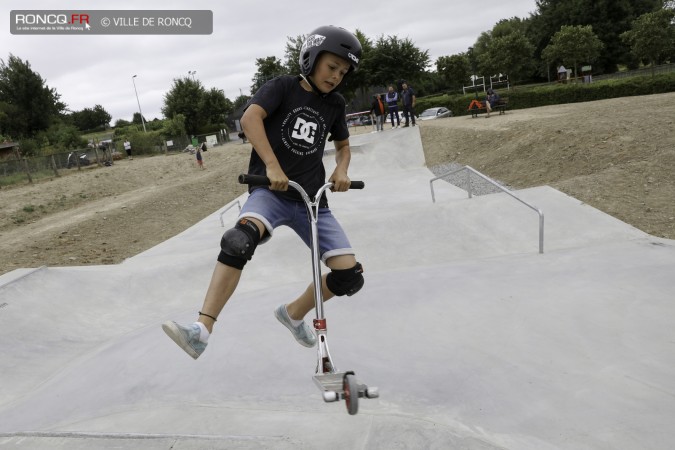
<point>345,281</point>
<point>238,244</point>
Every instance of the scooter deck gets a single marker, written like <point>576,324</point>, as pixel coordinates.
<point>330,382</point>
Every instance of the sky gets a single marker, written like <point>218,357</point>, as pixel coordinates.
<point>88,70</point>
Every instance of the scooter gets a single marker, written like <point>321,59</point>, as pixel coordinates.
<point>335,384</point>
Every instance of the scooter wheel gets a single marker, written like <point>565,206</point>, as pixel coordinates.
<point>330,396</point>
<point>351,394</point>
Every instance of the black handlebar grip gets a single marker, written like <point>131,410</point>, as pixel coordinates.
<point>261,180</point>
<point>254,180</point>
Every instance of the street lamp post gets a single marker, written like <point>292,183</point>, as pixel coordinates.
<point>139,103</point>
<point>192,72</point>
<point>472,61</point>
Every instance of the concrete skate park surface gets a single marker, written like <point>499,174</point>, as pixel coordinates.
<point>474,338</point>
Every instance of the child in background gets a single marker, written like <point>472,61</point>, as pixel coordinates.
<point>200,161</point>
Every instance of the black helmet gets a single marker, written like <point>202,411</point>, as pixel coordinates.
<point>330,39</point>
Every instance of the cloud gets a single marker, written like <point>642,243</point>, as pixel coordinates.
<point>90,70</point>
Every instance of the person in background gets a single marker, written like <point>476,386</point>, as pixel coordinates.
<point>491,101</point>
<point>127,148</point>
<point>377,108</point>
<point>408,100</point>
<point>200,161</point>
<point>392,105</point>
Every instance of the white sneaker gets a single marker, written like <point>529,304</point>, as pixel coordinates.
<point>302,333</point>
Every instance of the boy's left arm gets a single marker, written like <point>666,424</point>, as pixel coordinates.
<point>343,156</point>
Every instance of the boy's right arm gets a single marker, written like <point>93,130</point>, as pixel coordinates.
<point>254,129</point>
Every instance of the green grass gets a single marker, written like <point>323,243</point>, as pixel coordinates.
<point>21,177</point>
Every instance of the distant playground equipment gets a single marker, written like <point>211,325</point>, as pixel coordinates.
<point>477,83</point>
<point>498,81</point>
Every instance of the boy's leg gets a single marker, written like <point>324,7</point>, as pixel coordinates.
<point>344,278</point>
<point>191,338</point>
<point>299,307</point>
<point>292,315</point>
<point>223,283</point>
<point>224,280</point>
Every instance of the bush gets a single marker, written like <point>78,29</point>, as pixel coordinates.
<point>553,94</point>
<point>142,143</point>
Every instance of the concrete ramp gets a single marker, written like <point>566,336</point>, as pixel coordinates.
<point>474,338</point>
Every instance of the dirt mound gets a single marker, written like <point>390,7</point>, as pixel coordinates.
<point>616,155</point>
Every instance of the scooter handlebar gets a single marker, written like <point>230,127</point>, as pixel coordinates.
<point>254,180</point>
<point>261,180</point>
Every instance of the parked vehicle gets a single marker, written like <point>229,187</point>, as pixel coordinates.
<point>435,113</point>
<point>354,121</point>
<point>72,160</point>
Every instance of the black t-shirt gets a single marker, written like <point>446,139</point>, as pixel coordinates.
<point>297,125</point>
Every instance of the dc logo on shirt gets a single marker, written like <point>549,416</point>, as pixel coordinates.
<point>304,130</point>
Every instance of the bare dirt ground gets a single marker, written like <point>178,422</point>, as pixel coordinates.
<point>617,155</point>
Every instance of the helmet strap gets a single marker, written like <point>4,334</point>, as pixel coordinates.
<point>313,86</point>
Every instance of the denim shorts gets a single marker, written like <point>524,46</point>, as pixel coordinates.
<point>274,211</point>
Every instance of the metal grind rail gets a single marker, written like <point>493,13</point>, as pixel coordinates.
<point>227,208</point>
<point>469,170</point>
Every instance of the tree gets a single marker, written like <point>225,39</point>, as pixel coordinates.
<point>215,107</point>
<point>573,45</point>
<point>652,36</point>
<point>121,123</point>
<point>68,138</point>
<point>199,107</point>
<point>292,54</point>
<point>138,119</point>
<point>510,54</point>
<point>393,59</point>
<point>174,127</point>
<point>91,118</point>
<point>454,70</point>
<point>268,68</point>
<point>609,18</point>
<point>362,79</point>
<point>240,101</point>
<point>185,98</point>
<point>505,49</point>
<point>27,104</point>
<point>59,136</point>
